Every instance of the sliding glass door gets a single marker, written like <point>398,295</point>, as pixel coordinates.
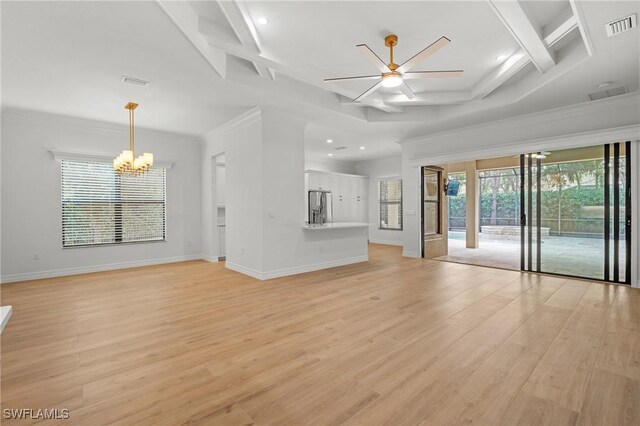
<point>576,212</point>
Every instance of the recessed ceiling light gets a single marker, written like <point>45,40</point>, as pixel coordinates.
<point>330,154</point>
<point>604,84</point>
<point>263,21</point>
<point>329,140</point>
<point>362,147</point>
<point>501,57</point>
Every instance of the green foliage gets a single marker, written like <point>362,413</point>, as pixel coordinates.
<point>565,211</point>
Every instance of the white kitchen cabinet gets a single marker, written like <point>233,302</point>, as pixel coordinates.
<point>335,187</point>
<point>362,188</point>
<point>319,181</point>
<point>349,194</point>
<point>313,180</point>
<point>351,182</point>
<point>361,213</point>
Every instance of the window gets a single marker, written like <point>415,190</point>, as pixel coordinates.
<point>390,198</point>
<point>100,207</point>
<point>431,197</point>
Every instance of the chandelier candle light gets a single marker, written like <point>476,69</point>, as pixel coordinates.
<point>125,162</point>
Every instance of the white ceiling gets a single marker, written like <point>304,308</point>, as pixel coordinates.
<point>68,58</point>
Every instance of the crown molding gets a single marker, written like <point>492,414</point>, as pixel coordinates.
<point>245,119</point>
<point>574,140</point>
<point>629,100</point>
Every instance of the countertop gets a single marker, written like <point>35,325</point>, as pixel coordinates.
<point>336,225</point>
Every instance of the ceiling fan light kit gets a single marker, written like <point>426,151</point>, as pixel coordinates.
<point>391,79</point>
<point>394,75</point>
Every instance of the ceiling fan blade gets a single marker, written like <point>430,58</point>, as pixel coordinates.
<point>413,75</point>
<point>406,90</point>
<point>373,58</point>
<point>360,77</point>
<point>424,54</point>
<point>369,91</point>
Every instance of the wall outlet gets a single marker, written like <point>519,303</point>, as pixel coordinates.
<point>36,256</point>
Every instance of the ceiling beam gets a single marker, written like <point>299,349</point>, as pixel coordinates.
<point>563,29</point>
<point>576,8</point>
<point>186,19</point>
<point>500,75</point>
<point>515,19</point>
<point>240,21</point>
<point>432,98</point>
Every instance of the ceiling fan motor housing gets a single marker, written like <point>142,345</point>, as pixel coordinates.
<point>390,41</point>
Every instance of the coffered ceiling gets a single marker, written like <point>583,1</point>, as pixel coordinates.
<point>208,61</point>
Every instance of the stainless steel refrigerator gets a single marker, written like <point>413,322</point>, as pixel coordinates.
<point>320,207</point>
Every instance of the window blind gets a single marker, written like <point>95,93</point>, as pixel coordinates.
<point>101,207</point>
<point>390,200</point>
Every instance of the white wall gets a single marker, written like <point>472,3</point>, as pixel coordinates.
<point>241,143</point>
<point>347,167</point>
<point>375,170</point>
<point>265,200</point>
<point>31,207</point>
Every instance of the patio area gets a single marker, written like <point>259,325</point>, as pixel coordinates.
<point>560,255</point>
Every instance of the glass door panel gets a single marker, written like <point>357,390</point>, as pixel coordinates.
<point>577,216</point>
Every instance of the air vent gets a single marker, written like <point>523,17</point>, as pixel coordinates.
<point>135,81</point>
<point>621,25</point>
<point>608,93</point>
<point>340,148</point>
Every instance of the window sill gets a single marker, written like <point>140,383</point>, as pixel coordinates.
<point>114,244</point>
<point>389,229</point>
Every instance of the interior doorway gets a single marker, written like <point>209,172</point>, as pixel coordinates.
<point>220,206</point>
<point>495,218</point>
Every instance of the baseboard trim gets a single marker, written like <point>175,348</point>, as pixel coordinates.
<point>385,242</point>
<point>212,259</point>
<point>262,276</point>
<point>5,279</point>
<point>410,254</point>
<point>244,270</point>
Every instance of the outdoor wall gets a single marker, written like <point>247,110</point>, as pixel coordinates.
<point>31,200</point>
<point>375,170</point>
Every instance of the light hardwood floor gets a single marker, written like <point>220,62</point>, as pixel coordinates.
<point>391,341</point>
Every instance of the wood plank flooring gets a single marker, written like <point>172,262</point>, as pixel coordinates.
<point>391,341</point>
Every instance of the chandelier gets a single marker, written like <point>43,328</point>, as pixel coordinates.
<point>126,163</point>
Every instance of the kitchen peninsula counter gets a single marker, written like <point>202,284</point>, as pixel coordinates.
<point>335,225</point>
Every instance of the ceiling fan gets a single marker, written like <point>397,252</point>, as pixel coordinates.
<point>394,75</point>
